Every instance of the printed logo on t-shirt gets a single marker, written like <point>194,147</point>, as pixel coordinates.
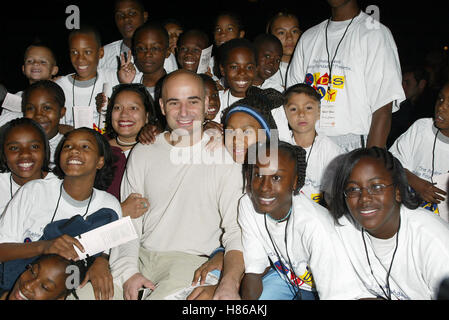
<point>296,280</point>
<point>321,82</point>
<point>316,197</point>
<point>433,207</point>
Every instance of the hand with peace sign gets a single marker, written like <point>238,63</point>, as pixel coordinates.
<point>127,70</point>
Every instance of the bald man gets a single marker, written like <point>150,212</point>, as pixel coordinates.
<point>193,195</point>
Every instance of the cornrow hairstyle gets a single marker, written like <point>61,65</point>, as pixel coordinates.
<point>283,13</point>
<point>301,88</point>
<point>342,171</point>
<point>146,98</point>
<point>227,47</point>
<point>207,79</point>
<point>51,86</point>
<point>196,33</point>
<point>262,101</point>
<point>22,122</point>
<point>81,265</point>
<point>296,153</point>
<point>150,26</point>
<point>105,175</point>
<point>86,29</point>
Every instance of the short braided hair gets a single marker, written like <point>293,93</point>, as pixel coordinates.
<point>296,153</point>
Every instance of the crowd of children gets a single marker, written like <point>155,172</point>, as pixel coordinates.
<point>269,170</point>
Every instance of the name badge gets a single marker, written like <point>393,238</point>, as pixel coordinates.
<point>327,115</point>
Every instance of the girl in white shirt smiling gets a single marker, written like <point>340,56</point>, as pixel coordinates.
<point>398,250</point>
<point>84,163</point>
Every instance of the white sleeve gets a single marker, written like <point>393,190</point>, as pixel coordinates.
<point>331,268</point>
<point>383,78</point>
<point>124,258</point>
<point>402,148</point>
<point>295,72</point>
<point>254,254</point>
<point>230,190</point>
<point>14,218</point>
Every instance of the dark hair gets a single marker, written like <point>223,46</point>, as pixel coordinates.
<point>105,175</point>
<point>139,3</point>
<point>419,72</point>
<point>232,44</point>
<point>233,15</point>
<point>282,13</point>
<point>266,38</point>
<point>207,78</point>
<point>344,167</point>
<point>296,153</point>
<point>196,33</point>
<point>260,100</point>
<point>86,29</point>
<point>146,98</point>
<point>40,44</point>
<point>150,26</point>
<point>301,88</point>
<point>81,265</point>
<point>19,122</point>
<point>51,86</point>
<point>173,21</point>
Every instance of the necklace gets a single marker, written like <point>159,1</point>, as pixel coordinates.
<point>387,281</point>
<point>311,148</point>
<point>329,63</point>
<point>294,285</point>
<point>124,144</point>
<point>433,155</point>
<point>282,219</point>
<point>59,198</point>
<point>73,89</point>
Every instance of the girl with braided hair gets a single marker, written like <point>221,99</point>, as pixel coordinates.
<point>281,227</point>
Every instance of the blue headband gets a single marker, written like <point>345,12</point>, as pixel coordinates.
<point>253,113</point>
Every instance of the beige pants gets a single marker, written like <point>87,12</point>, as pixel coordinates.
<point>171,271</point>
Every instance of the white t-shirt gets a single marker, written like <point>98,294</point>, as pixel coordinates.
<point>366,73</point>
<point>111,58</point>
<point>313,247</point>
<point>421,261</point>
<point>53,142</point>
<point>85,96</point>
<point>34,205</point>
<point>8,188</point>
<point>280,75</point>
<point>227,99</point>
<point>323,152</point>
<point>414,150</point>
<point>272,82</point>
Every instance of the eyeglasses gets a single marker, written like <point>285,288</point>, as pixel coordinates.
<point>374,189</point>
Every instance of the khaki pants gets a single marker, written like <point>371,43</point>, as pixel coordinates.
<point>171,271</point>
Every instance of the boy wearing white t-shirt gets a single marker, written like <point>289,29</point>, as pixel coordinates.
<point>302,107</point>
<point>424,152</point>
<point>352,61</point>
<point>80,88</point>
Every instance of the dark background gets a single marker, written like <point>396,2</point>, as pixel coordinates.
<point>418,27</point>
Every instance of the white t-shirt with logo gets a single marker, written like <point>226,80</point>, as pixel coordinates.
<point>316,253</point>
<point>318,157</point>
<point>421,261</point>
<point>366,72</point>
